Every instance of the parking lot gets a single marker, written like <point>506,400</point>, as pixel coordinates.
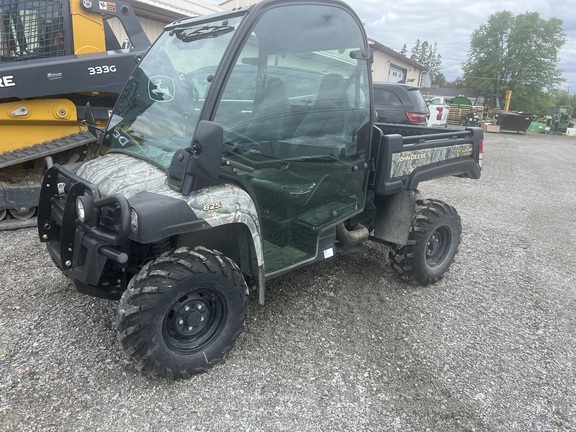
<point>343,345</point>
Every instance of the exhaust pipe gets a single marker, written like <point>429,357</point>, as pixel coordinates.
<point>351,238</point>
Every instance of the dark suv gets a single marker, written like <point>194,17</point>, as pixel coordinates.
<point>400,104</point>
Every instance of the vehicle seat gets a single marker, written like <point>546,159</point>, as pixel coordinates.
<point>330,108</point>
<point>267,123</point>
<point>330,119</point>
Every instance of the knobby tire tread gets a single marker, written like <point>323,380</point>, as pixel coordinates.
<point>137,308</point>
<point>406,259</point>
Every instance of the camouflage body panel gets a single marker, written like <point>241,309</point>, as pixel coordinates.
<point>217,205</point>
<point>120,174</point>
<point>405,162</point>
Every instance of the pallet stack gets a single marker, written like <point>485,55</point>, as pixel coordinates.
<point>458,113</point>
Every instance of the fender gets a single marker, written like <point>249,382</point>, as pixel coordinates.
<point>212,206</point>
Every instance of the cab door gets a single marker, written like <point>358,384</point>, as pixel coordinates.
<point>302,78</point>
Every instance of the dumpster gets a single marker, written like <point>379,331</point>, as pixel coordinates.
<point>513,122</point>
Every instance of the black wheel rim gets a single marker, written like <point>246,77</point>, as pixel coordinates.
<point>438,246</point>
<point>193,320</point>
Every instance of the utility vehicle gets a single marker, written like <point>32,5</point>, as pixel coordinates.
<point>244,147</point>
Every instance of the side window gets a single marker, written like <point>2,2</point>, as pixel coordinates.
<point>236,104</point>
<point>386,97</point>
<point>305,130</point>
<point>305,95</point>
<point>34,29</point>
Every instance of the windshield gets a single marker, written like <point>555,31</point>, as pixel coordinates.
<point>159,108</point>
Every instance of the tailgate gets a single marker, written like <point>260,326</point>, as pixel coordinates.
<point>403,162</point>
<point>438,115</point>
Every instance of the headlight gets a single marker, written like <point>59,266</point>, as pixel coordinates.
<point>84,208</point>
<point>80,210</point>
<point>134,221</point>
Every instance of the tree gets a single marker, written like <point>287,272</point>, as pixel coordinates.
<point>427,55</point>
<point>458,83</point>
<point>440,80</point>
<point>563,98</point>
<point>518,53</point>
<point>404,50</point>
<point>416,51</point>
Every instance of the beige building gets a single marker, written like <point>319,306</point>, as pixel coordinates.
<point>235,4</point>
<point>154,14</point>
<point>391,66</point>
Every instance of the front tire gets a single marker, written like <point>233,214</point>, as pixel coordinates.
<point>183,312</point>
<point>432,243</point>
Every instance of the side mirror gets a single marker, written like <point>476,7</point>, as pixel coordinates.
<point>204,157</point>
<point>90,121</point>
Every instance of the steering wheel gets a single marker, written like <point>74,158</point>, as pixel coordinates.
<point>240,143</point>
<point>189,85</point>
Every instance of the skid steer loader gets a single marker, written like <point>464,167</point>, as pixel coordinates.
<point>56,55</point>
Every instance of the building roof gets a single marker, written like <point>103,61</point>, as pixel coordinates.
<point>394,54</point>
<point>449,92</point>
<point>233,4</point>
<point>170,10</point>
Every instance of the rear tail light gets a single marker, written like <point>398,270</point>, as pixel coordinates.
<point>480,152</point>
<point>417,117</point>
<point>439,115</point>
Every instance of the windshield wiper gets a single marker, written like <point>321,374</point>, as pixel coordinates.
<point>201,33</point>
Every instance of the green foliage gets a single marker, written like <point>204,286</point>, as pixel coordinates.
<point>440,80</point>
<point>404,50</point>
<point>563,98</point>
<point>518,53</point>
<point>428,55</point>
<point>458,83</point>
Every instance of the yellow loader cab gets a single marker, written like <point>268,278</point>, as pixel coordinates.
<point>56,56</point>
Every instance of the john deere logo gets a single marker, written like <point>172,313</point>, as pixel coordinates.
<point>161,88</point>
<point>7,81</point>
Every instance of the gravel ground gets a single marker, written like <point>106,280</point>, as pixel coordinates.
<point>343,345</point>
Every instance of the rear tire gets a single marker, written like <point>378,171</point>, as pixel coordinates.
<point>182,313</point>
<point>432,243</point>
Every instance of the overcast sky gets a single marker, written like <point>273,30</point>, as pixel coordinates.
<point>450,22</point>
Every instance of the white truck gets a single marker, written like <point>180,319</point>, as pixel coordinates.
<point>439,109</point>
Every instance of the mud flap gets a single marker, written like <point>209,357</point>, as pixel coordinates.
<point>394,215</point>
